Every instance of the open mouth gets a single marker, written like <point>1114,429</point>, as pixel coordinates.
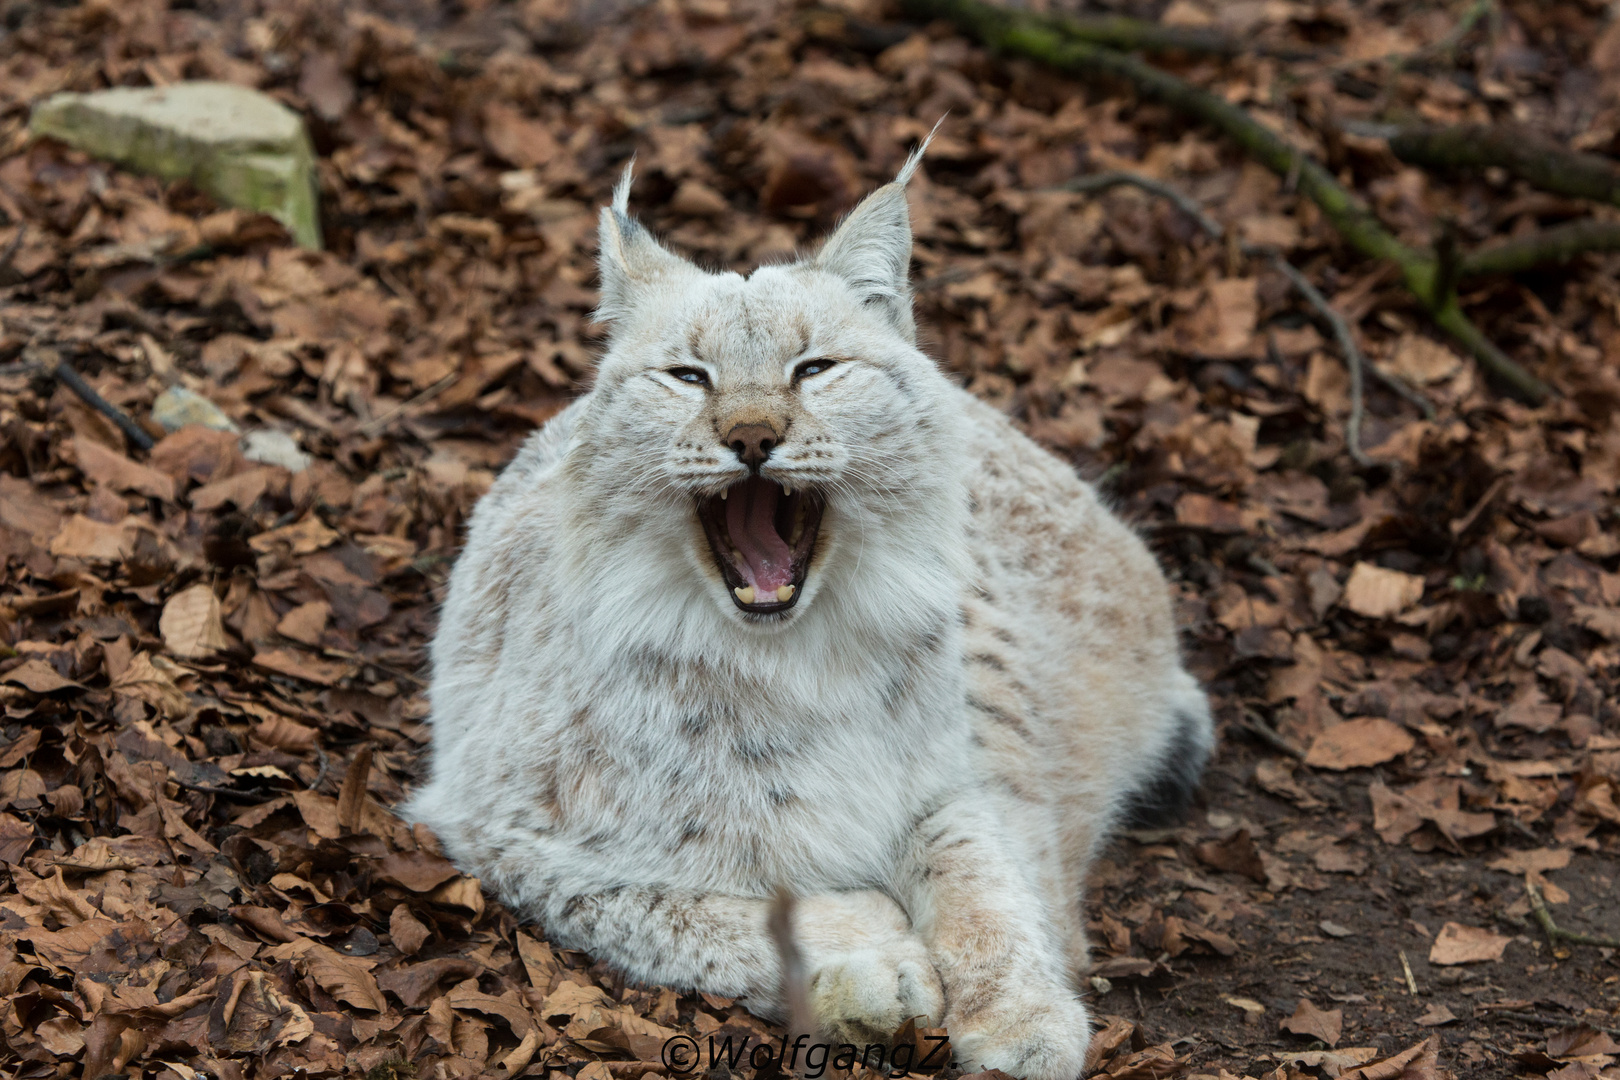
<point>762,537</point>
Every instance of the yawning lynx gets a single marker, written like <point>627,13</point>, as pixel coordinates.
<point>777,604</point>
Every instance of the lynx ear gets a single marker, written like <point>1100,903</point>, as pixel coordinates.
<point>871,249</point>
<point>630,258</point>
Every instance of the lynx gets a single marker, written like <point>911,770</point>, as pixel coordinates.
<point>778,605</point>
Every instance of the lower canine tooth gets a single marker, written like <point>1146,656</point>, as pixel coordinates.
<point>745,594</point>
<point>784,594</point>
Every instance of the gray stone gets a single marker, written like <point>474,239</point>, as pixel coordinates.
<point>176,407</point>
<point>242,147</point>
<point>268,446</point>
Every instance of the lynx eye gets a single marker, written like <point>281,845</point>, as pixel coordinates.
<point>690,375</point>
<point>812,367</point>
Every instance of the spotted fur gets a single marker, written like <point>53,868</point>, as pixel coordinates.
<point>979,679</point>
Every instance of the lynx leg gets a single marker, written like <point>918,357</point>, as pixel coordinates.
<point>868,972</point>
<point>1010,1003</point>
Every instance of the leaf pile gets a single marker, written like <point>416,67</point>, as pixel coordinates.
<point>213,651</point>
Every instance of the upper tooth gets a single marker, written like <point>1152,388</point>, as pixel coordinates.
<point>745,594</point>
<point>787,489</point>
<point>784,594</point>
<point>724,492</point>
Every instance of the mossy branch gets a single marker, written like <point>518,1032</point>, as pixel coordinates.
<point>1549,247</point>
<point>1138,35</point>
<point>1525,154</point>
<point>1556,933</point>
<point>1035,37</point>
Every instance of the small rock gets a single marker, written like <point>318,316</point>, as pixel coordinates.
<point>176,407</point>
<point>268,446</point>
<point>242,147</point>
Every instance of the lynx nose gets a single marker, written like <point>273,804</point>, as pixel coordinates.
<point>753,443</point>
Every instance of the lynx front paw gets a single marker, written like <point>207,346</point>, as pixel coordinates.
<point>1045,1041</point>
<point>862,996</point>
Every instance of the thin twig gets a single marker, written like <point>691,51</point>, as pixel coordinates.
<point>1464,523</point>
<point>795,978</point>
<point>1353,359</point>
<point>386,669</point>
<point>376,426</point>
<point>1255,725</point>
<point>1406,966</point>
<point>320,774</point>
<point>1555,933</point>
<point>225,793</point>
<point>1094,182</point>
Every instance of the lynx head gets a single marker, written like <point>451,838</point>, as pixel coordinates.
<point>754,443</point>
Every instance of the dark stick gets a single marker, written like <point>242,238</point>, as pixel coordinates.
<point>1256,726</point>
<point>67,376</point>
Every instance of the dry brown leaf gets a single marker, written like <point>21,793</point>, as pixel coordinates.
<point>40,677</point>
<point>1459,944</point>
<point>406,931</point>
<point>1235,855</point>
<point>1419,1062</point>
<point>345,978</point>
<point>1531,711</point>
<point>462,892</point>
<point>191,624</point>
<point>304,537</point>
<point>301,665</point>
<point>155,679</point>
<point>1436,1015</point>
<point>16,837</point>
<point>1422,361</point>
<point>351,804</point>
<point>417,871</point>
<point>112,470</point>
<point>1367,740</point>
<point>94,541</point>
<point>1308,1020</point>
<point>306,622</point>
<point>1536,860</point>
<point>1378,593</point>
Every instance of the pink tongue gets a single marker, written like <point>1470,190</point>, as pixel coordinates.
<point>750,519</point>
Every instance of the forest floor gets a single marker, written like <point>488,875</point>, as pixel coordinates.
<point>213,664</point>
